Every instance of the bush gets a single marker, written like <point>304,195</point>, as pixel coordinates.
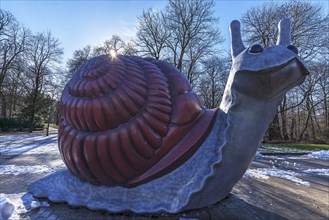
<point>324,135</point>
<point>19,124</point>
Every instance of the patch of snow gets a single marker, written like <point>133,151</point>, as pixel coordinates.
<point>10,138</point>
<point>256,173</point>
<point>28,144</point>
<point>22,203</point>
<point>323,154</point>
<point>323,172</point>
<point>266,173</point>
<point>17,170</point>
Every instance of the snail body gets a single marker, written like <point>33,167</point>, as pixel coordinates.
<point>134,126</point>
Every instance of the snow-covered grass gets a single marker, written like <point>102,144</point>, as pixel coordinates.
<point>323,154</point>
<point>322,172</point>
<point>28,144</point>
<point>17,170</point>
<point>266,173</point>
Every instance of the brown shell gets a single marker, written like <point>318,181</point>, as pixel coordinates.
<point>126,120</point>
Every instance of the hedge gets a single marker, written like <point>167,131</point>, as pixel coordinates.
<point>19,124</point>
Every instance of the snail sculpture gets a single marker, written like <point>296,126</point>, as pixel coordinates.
<point>135,130</point>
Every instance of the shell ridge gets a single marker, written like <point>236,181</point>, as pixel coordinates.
<point>83,166</point>
<point>62,145</point>
<point>128,102</point>
<point>133,158</point>
<point>111,118</point>
<point>152,136</point>
<point>74,116</point>
<point>99,115</point>
<point>147,151</point>
<point>95,90</point>
<point>122,114</point>
<point>138,100</point>
<point>81,91</point>
<point>137,88</point>
<point>156,125</point>
<point>163,108</point>
<point>118,161</point>
<point>163,117</point>
<point>70,161</point>
<point>109,82</point>
<point>105,89</point>
<point>92,160</point>
<point>115,173</point>
<point>80,115</point>
<point>68,111</point>
<point>141,129</point>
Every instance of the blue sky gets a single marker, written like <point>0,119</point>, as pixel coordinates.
<point>79,23</point>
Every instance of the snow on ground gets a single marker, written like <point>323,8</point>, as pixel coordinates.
<point>28,144</point>
<point>25,144</point>
<point>22,202</point>
<point>266,173</point>
<point>322,172</point>
<point>17,170</point>
<point>323,154</point>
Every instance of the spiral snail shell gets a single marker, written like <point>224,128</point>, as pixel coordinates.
<point>126,120</point>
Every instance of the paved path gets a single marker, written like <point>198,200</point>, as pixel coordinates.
<point>253,197</point>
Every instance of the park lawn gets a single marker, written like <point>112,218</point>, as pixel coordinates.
<point>292,147</point>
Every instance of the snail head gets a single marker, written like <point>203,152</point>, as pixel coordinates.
<point>266,73</point>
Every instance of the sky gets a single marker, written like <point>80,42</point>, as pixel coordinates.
<point>77,23</point>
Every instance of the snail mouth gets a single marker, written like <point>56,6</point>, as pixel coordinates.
<point>275,69</point>
<point>271,82</point>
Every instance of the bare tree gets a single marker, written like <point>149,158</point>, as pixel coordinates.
<point>151,33</point>
<point>130,49</point>
<point>114,45</point>
<point>192,33</point>
<point>212,82</point>
<point>184,33</point>
<point>13,38</point>
<point>79,57</point>
<point>43,57</point>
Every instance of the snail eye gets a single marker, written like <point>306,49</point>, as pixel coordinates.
<point>256,49</point>
<point>293,49</point>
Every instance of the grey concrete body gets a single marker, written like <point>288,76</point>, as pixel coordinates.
<point>256,86</point>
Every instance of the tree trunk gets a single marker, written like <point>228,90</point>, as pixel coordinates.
<point>274,129</point>
<point>283,115</point>
<point>3,106</point>
<point>293,132</point>
<point>32,114</point>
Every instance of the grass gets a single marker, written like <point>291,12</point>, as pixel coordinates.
<point>292,147</point>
